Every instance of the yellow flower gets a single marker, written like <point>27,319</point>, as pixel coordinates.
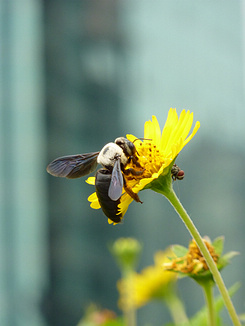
<point>193,261</point>
<point>156,153</point>
<point>152,283</point>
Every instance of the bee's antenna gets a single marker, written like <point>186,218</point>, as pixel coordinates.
<point>141,139</point>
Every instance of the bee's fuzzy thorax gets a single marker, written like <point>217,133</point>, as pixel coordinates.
<point>109,154</point>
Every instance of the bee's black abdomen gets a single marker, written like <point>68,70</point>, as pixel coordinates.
<point>109,207</point>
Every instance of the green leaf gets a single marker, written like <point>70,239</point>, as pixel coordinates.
<point>225,259</point>
<point>179,250</point>
<point>242,317</point>
<point>116,322</point>
<point>218,245</point>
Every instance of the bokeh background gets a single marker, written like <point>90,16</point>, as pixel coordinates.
<point>75,75</point>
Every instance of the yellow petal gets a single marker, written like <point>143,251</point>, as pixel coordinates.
<point>91,181</point>
<point>95,205</point>
<point>197,126</point>
<point>126,200</point>
<point>187,126</point>
<point>110,222</point>
<point>183,127</point>
<point>156,132</point>
<point>94,201</point>
<point>93,197</point>
<point>144,182</point>
<point>170,124</point>
<point>148,130</point>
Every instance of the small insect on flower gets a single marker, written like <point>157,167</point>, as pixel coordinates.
<point>177,173</point>
<point>110,180</point>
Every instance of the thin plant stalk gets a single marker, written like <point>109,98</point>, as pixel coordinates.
<point>173,199</point>
<point>176,309</point>
<point>129,312</point>
<point>208,291</point>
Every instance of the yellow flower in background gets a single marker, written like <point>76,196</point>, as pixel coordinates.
<point>152,283</point>
<point>193,261</point>
<point>156,153</point>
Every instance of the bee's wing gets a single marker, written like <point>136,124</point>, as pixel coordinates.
<point>73,166</point>
<point>116,185</point>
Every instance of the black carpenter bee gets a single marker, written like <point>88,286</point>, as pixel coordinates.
<point>110,180</point>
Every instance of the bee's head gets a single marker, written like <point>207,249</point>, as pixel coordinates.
<point>126,145</point>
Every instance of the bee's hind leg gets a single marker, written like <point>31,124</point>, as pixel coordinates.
<point>130,192</point>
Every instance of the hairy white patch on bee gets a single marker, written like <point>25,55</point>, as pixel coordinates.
<point>109,154</point>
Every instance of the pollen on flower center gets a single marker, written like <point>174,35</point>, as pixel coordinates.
<point>150,161</point>
<point>150,158</point>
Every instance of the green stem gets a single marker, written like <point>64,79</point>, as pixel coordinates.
<point>129,312</point>
<point>208,290</point>
<point>173,199</point>
<point>130,317</point>
<point>176,309</point>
